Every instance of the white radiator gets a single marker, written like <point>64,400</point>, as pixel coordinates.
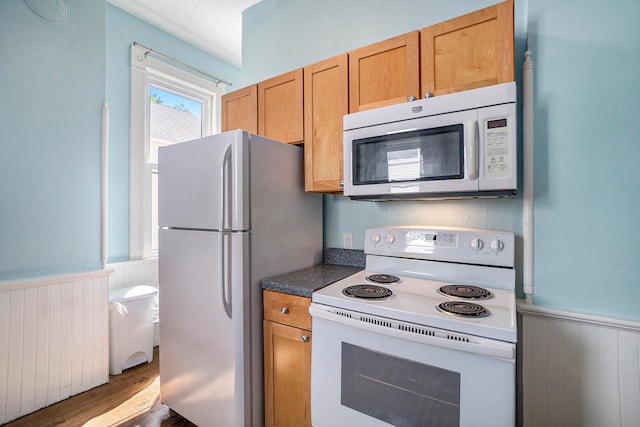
<point>578,370</point>
<point>54,340</point>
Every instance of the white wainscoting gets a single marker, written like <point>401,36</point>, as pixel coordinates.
<point>133,273</point>
<point>54,340</point>
<point>578,370</point>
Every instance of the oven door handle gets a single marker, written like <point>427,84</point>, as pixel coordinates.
<point>455,341</point>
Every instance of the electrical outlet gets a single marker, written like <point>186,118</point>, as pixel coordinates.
<point>347,240</point>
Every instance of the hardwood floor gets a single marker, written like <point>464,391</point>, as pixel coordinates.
<point>131,399</point>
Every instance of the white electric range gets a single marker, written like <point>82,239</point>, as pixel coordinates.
<point>425,335</point>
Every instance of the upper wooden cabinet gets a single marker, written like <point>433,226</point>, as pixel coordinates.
<point>240,109</point>
<point>280,107</point>
<point>307,105</point>
<point>473,50</point>
<point>326,101</point>
<point>384,73</point>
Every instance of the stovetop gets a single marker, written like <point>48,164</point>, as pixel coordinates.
<point>415,301</point>
<point>423,267</point>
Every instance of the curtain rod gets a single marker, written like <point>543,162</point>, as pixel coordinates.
<point>167,57</point>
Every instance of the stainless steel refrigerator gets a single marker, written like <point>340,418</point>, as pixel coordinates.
<point>232,211</point>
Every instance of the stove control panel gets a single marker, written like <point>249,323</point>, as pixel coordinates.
<point>467,245</point>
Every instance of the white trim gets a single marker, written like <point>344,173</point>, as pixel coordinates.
<point>31,283</point>
<point>137,156</point>
<point>145,71</point>
<point>525,308</point>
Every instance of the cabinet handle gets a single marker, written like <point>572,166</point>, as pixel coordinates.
<point>304,338</point>
<point>284,310</point>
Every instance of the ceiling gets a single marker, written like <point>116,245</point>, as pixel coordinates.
<point>214,26</point>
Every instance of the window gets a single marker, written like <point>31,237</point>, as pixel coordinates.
<point>168,105</point>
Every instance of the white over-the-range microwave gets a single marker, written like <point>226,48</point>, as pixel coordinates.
<point>451,146</point>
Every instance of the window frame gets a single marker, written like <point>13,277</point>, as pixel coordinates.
<point>146,71</point>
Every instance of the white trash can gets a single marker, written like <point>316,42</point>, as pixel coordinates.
<point>133,313</point>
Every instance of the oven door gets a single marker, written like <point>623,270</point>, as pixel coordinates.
<point>371,374</point>
<point>436,154</point>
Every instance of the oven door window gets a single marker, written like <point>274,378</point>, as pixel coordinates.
<point>399,391</point>
<point>420,155</point>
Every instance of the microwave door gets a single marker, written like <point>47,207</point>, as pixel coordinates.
<point>450,161</point>
<point>438,155</point>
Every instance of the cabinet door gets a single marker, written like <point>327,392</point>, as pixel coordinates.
<point>280,108</point>
<point>326,101</point>
<point>384,73</point>
<point>287,368</point>
<point>240,109</point>
<point>470,51</point>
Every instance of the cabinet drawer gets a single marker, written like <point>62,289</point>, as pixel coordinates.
<point>287,309</point>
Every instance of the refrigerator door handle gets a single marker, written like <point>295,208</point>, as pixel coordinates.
<point>225,189</point>
<point>225,273</point>
<point>225,193</point>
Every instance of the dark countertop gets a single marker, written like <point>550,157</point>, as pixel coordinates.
<point>338,264</point>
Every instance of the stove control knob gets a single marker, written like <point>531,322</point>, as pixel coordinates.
<point>496,245</point>
<point>476,244</point>
<point>375,238</point>
<point>391,238</point>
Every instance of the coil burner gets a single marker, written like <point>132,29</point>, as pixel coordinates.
<point>467,292</point>
<point>463,309</point>
<point>367,291</point>
<point>383,278</point>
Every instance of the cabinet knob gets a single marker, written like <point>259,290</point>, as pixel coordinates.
<point>304,338</point>
<point>284,310</point>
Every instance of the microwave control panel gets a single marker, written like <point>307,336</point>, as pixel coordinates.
<point>497,143</point>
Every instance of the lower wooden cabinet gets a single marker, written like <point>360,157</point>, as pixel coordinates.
<point>287,360</point>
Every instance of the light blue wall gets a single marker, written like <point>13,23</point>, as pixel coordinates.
<point>122,30</point>
<point>52,86</point>
<point>54,76</point>
<point>280,35</point>
<point>587,197</point>
<point>53,79</point>
<point>587,186</point>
